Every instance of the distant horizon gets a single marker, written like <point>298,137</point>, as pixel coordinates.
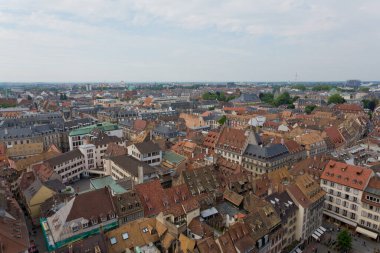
<point>180,82</point>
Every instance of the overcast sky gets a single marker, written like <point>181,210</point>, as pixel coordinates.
<point>186,40</point>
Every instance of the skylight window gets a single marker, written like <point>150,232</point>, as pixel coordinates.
<point>125,236</point>
<point>113,241</point>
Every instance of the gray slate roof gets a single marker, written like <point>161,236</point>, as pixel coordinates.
<point>131,165</point>
<point>246,98</point>
<point>64,157</point>
<point>147,147</point>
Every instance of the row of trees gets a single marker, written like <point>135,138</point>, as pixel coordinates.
<point>320,87</point>
<point>282,99</point>
<point>220,96</point>
<point>336,99</point>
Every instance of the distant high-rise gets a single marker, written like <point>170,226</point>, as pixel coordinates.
<point>353,83</point>
<point>88,87</point>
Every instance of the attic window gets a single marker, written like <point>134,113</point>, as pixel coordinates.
<point>145,230</point>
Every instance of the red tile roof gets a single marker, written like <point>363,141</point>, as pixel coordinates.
<point>139,124</point>
<point>334,135</point>
<point>348,108</point>
<point>349,175</point>
<point>155,199</point>
<point>210,139</point>
<point>232,139</point>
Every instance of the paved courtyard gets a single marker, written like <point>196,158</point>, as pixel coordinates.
<point>360,243</point>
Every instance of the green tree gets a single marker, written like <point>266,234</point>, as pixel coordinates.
<point>336,99</point>
<point>295,98</point>
<point>322,87</point>
<point>370,104</point>
<point>222,120</point>
<point>220,96</point>
<point>344,240</point>
<point>283,99</point>
<point>310,108</point>
<point>266,97</point>
<point>364,89</point>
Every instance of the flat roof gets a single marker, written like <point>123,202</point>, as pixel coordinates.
<point>104,126</point>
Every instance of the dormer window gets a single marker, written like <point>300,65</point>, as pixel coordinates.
<point>74,227</point>
<point>112,215</point>
<point>84,223</point>
<point>103,219</point>
<point>94,221</point>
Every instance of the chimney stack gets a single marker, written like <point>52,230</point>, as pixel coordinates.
<point>140,174</point>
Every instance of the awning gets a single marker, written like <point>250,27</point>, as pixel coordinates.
<point>366,232</point>
<point>317,234</point>
<point>315,237</point>
<point>322,228</point>
<point>320,231</point>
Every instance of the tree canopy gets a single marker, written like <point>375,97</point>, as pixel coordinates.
<point>266,97</point>
<point>282,99</point>
<point>310,108</point>
<point>336,99</point>
<point>370,104</point>
<point>344,240</point>
<point>322,87</point>
<point>220,96</point>
<point>222,120</point>
<point>364,89</point>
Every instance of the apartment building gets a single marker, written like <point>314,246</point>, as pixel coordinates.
<point>69,165</point>
<point>124,166</point>
<point>313,142</point>
<point>260,160</point>
<point>128,207</point>
<point>24,150</point>
<point>147,152</point>
<point>308,196</point>
<point>287,211</point>
<point>344,185</point>
<point>77,136</point>
<point>115,114</point>
<point>369,219</point>
<point>45,134</point>
<point>232,143</point>
<point>101,142</point>
<point>72,222</point>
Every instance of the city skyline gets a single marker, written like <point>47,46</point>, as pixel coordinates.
<point>147,41</point>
